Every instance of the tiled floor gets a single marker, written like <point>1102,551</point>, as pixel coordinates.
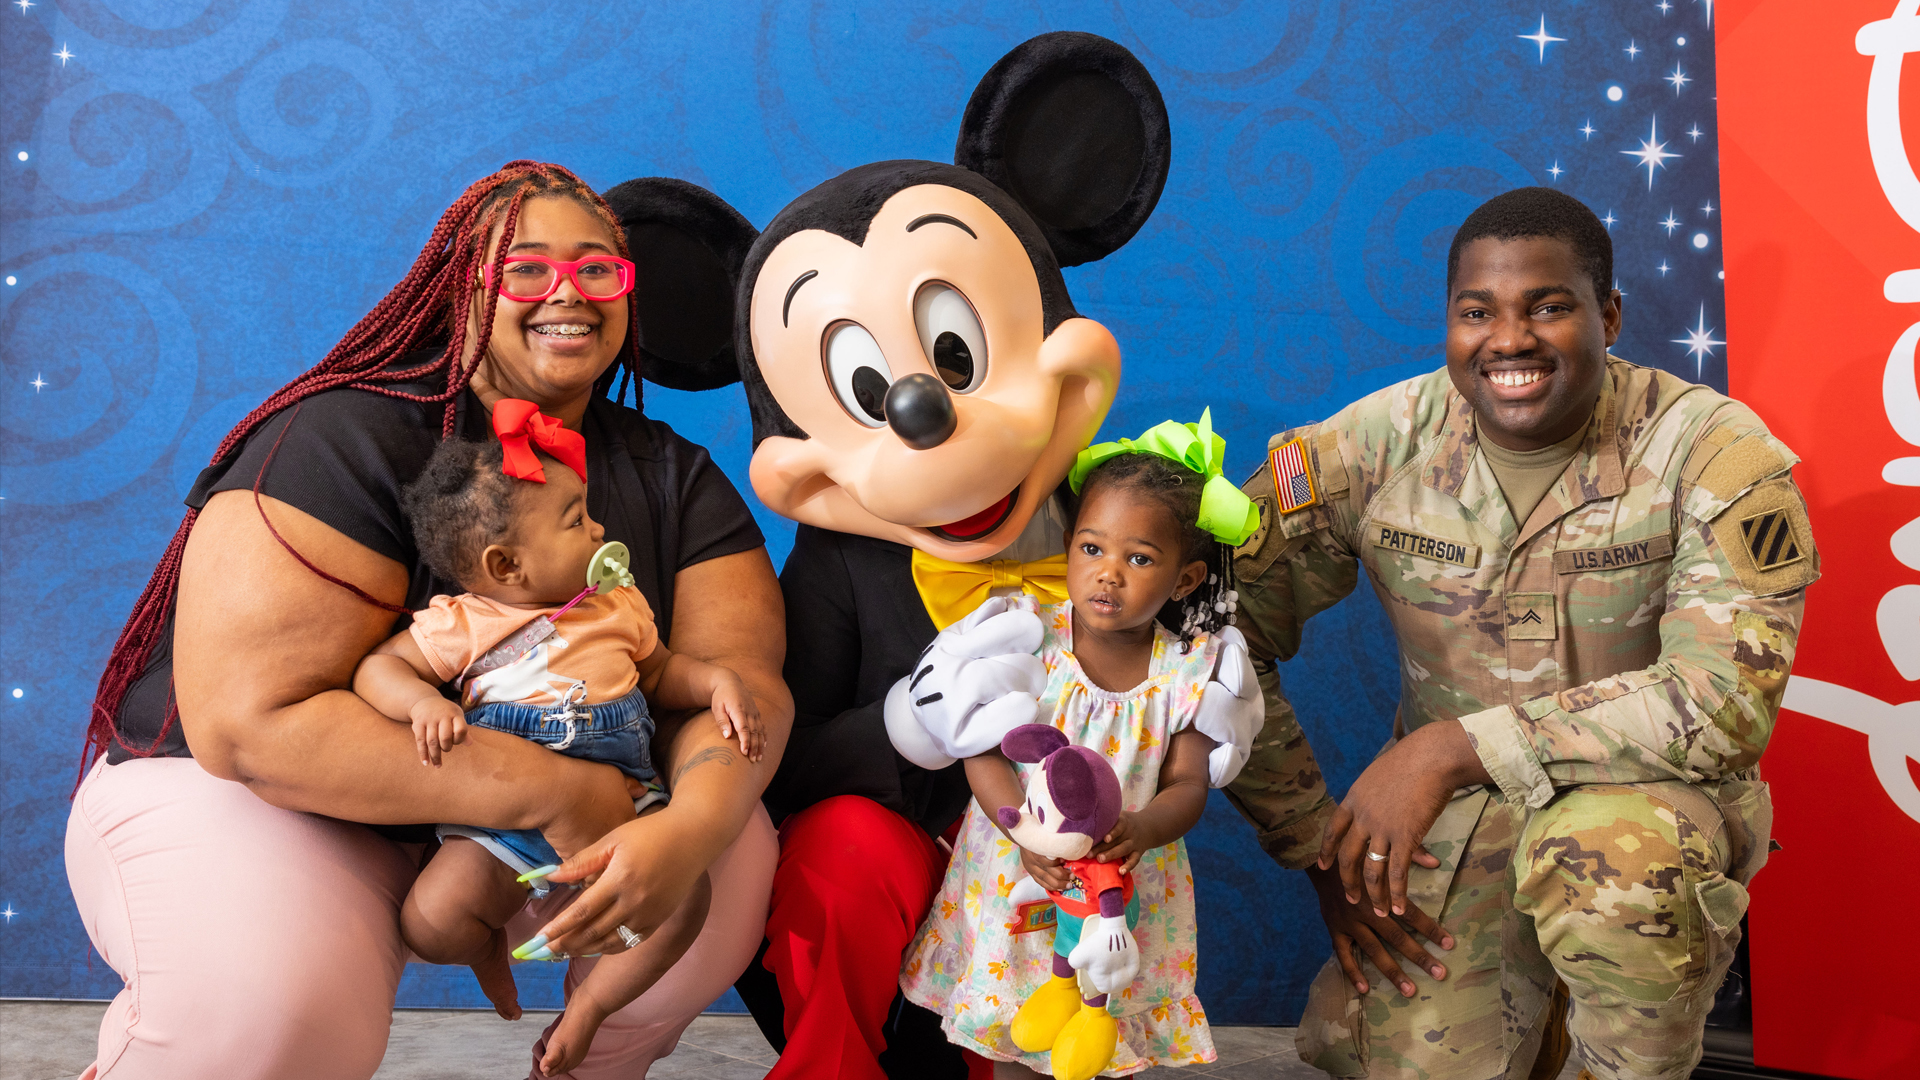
<point>42,1040</point>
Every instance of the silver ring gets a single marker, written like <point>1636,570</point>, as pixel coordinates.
<point>1376,856</point>
<point>628,938</point>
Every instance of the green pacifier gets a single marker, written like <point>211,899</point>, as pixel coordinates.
<point>607,570</point>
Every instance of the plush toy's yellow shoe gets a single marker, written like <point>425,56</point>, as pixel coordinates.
<point>1044,1013</point>
<point>1085,1046</point>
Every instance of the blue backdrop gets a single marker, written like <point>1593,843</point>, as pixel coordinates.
<point>199,196</point>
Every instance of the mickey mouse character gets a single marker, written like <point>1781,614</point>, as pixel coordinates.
<point>919,383</point>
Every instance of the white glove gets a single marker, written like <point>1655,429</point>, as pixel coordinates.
<point>1106,957</point>
<point>1026,891</point>
<point>978,680</point>
<point>1231,710</point>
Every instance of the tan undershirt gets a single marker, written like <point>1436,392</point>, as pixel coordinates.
<point>1525,476</point>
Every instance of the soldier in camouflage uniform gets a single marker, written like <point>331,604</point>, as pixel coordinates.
<point>1585,692</point>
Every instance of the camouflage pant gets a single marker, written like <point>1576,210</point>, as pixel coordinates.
<point>1632,894</point>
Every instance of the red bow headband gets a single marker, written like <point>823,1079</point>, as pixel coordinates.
<point>521,427</point>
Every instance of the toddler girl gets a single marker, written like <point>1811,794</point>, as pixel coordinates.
<point>1127,656</point>
<point>511,526</point>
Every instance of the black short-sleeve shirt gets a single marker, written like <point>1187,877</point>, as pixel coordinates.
<point>343,456</point>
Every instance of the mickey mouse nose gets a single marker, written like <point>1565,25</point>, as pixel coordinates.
<point>920,411</point>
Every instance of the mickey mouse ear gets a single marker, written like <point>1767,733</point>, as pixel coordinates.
<point>687,247</point>
<point>1072,126</point>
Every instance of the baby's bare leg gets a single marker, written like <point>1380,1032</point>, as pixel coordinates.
<point>455,912</point>
<point>617,980</point>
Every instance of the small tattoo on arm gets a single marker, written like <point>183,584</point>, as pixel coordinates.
<point>712,754</point>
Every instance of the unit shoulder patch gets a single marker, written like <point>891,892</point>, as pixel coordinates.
<point>1766,536</point>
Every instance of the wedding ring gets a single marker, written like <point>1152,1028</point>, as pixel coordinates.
<point>628,938</point>
<point>1376,856</point>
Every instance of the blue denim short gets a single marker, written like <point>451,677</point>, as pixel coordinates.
<point>617,733</point>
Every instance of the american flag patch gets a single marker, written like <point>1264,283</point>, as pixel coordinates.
<point>1292,477</point>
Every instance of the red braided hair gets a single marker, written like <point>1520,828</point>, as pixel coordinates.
<point>427,308</point>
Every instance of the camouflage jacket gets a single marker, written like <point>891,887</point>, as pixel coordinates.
<point>1637,627</point>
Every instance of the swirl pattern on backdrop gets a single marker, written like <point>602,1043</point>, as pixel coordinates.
<point>201,196</point>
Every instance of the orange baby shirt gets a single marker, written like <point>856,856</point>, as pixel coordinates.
<point>598,643</point>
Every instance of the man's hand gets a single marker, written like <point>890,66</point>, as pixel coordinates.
<point>1351,925</point>
<point>1377,831</point>
<point>978,680</point>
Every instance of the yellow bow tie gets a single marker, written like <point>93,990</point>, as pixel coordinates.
<point>951,590</point>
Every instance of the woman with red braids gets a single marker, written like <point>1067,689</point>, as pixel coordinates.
<point>212,848</point>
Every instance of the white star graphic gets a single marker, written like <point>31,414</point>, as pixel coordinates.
<point>1664,268</point>
<point>1664,6</point>
<point>1631,50</point>
<point>1699,341</point>
<point>1555,170</point>
<point>1671,223</point>
<point>63,54</point>
<point>1587,129</point>
<point>8,913</point>
<point>23,5</point>
<point>1652,153</point>
<point>37,382</point>
<point>1678,79</point>
<point>1617,288</point>
<point>1540,37</point>
<point>1694,133</point>
<point>1708,208</point>
<point>1709,4</point>
<point>1609,220</point>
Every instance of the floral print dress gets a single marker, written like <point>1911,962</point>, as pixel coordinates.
<point>967,965</point>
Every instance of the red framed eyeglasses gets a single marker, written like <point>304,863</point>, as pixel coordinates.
<point>532,278</point>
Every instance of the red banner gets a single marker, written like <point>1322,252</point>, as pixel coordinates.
<point>1822,241</point>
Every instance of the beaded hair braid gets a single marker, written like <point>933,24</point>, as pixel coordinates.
<point>1209,608</point>
<point>428,308</point>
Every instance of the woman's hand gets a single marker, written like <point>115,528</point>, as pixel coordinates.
<point>640,874</point>
<point>1050,873</point>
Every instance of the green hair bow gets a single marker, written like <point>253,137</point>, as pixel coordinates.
<point>1225,511</point>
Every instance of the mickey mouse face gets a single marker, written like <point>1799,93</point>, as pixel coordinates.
<point>938,411</point>
<point>914,365</point>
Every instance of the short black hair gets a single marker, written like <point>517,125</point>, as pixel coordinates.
<point>1528,212</point>
<point>461,503</point>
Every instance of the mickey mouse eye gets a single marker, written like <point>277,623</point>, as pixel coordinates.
<point>858,372</point>
<point>950,335</point>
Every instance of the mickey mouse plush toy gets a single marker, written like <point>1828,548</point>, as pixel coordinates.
<point>919,383</point>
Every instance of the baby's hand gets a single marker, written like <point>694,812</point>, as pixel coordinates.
<point>1123,842</point>
<point>735,712</point>
<point>1050,873</point>
<point>438,726</point>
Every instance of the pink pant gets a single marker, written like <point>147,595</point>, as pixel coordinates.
<point>260,942</point>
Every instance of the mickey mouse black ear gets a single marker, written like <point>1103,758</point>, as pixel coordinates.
<point>687,247</point>
<point>1072,126</point>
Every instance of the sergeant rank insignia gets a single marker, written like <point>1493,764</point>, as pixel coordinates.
<point>1293,477</point>
<point>1770,540</point>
